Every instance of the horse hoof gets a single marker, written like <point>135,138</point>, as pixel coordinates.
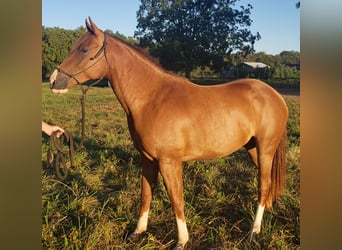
<point>252,237</point>
<point>179,246</point>
<point>134,237</point>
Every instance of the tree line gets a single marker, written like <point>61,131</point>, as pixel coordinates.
<point>187,37</point>
<point>57,42</point>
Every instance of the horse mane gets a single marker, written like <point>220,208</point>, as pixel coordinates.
<point>142,52</point>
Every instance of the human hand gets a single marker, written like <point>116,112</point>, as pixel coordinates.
<point>59,130</point>
<point>49,129</point>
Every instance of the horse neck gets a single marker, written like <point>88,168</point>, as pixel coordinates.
<point>133,77</point>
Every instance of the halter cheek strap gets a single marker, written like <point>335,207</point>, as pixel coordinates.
<point>104,45</point>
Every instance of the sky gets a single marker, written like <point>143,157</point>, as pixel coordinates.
<point>277,21</point>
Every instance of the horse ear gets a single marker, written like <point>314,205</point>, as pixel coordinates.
<point>91,27</point>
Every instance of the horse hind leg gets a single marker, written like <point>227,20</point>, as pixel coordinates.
<point>252,150</point>
<point>271,161</point>
<point>148,180</point>
<point>265,165</point>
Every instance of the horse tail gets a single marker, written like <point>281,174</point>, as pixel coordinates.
<point>278,171</point>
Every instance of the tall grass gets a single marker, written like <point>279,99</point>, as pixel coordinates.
<point>96,206</point>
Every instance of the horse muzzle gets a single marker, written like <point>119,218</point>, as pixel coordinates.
<point>58,84</point>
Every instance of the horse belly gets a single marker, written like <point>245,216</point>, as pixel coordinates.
<point>216,139</point>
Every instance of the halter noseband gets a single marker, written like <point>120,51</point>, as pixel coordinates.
<point>98,53</point>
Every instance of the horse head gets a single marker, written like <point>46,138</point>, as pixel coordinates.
<point>86,61</point>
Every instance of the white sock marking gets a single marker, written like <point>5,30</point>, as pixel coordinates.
<point>258,218</point>
<point>142,223</point>
<point>183,235</point>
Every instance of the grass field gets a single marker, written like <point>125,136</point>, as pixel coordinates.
<point>96,206</point>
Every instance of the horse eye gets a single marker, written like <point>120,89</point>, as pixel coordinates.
<point>84,50</point>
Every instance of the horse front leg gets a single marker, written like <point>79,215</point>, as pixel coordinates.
<point>148,181</point>
<point>171,170</point>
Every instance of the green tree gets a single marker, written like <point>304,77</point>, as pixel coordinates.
<point>290,57</point>
<point>186,34</point>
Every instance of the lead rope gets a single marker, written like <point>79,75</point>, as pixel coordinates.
<point>58,144</point>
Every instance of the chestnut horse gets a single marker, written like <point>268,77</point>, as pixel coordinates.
<point>172,120</point>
